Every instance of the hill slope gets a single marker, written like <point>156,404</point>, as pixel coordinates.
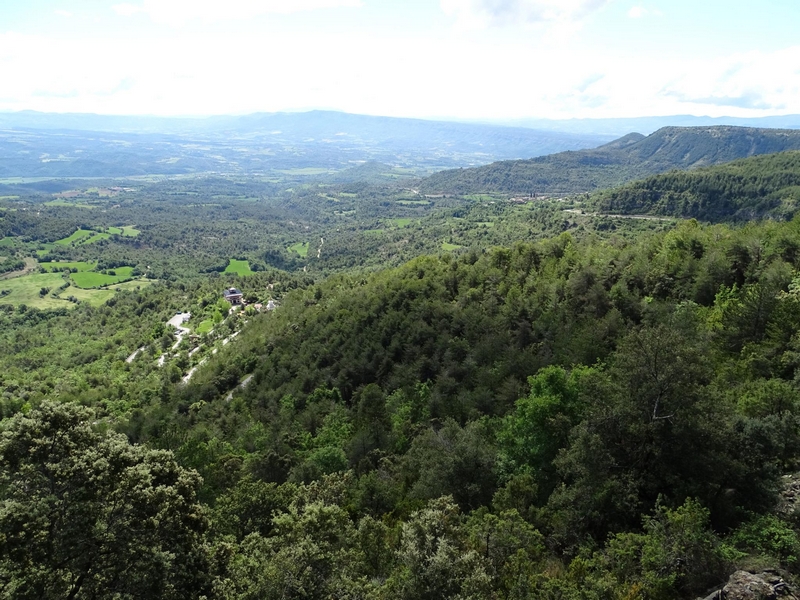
<point>750,188</point>
<point>616,163</point>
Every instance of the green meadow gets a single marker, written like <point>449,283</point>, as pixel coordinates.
<point>88,236</point>
<point>448,247</point>
<point>239,267</point>
<point>95,238</point>
<point>73,204</point>
<point>300,247</point>
<point>87,279</point>
<point>93,297</point>
<point>133,284</point>
<point>77,237</point>
<point>25,290</point>
<point>125,231</point>
<point>204,327</point>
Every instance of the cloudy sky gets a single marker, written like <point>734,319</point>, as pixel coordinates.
<point>463,59</point>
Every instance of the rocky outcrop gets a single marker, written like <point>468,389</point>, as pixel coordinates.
<point>766,585</point>
<point>789,500</point>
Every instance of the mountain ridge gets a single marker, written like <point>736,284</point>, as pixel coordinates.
<point>616,163</point>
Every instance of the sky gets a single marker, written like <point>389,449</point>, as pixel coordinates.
<point>455,59</point>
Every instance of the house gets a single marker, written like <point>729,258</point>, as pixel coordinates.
<point>233,296</point>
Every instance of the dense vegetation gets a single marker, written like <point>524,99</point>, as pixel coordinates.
<point>389,445</point>
<point>447,398</point>
<point>752,188</point>
<point>631,157</point>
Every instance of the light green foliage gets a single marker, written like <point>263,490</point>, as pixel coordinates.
<point>310,555</point>
<point>538,428</point>
<point>768,536</point>
<point>433,560</point>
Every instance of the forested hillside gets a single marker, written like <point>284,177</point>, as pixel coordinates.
<point>554,419</point>
<point>751,188</point>
<point>631,157</point>
<point>538,404</point>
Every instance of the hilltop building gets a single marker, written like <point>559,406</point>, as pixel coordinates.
<point>233,296</point>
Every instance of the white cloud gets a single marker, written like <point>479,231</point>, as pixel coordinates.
<point>749,81</point>
<point>178,12</point>
<point>637,12</point>
<point>454,76</point>
<point>481,13</point>
<point>63,13</point>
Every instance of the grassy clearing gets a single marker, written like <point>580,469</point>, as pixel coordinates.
<point>402,222</point>
<point>95,280</point>
<point>204,327</point>
<point>77,237</point>
<point>95,238</point>
<point>125,231</point>
<point>93,297</point>
<point>88,236</point>
<point>8,242</point>
<point>300,247</point>
<point>448,247</point>
<point>9,197</point>
<point>239,267</point>
<point>25,290</point>
<point>133,284</point>
<point>53,267</point>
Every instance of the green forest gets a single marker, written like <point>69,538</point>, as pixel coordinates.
<point>751,188</point>
<point>424,396</point>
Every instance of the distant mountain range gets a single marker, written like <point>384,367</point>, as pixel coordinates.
<point>84,145</point>
<point>631,157</point>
